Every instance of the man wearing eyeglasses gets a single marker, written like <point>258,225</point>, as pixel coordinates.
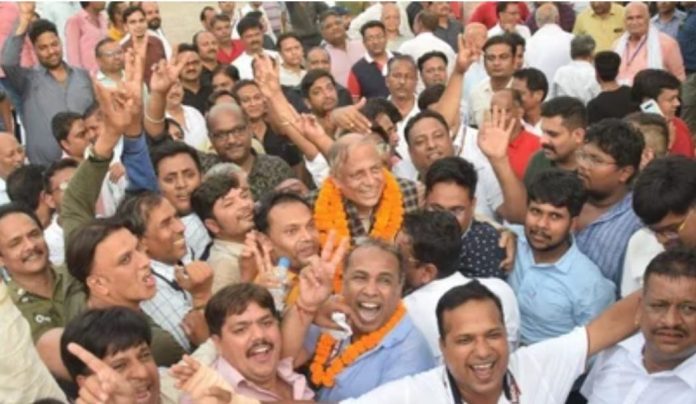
<point>231,138</point>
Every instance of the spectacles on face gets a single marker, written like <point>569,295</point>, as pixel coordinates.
<point>672,234</point>
<point>591,159</point>
<point>113,53</point>
<point>236,132</point>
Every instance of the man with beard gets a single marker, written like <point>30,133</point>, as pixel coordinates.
<point>250,32</point>
<point>659,363</point>
<point>53,87</point>
<point>154,24</point>
<point>196,92</point>
<point>226,209</point>
<point>557,286</point>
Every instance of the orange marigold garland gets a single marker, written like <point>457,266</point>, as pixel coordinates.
<point>330,214</point>
<point>324,374</point>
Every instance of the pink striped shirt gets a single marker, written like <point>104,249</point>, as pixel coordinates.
<point>82,33</point>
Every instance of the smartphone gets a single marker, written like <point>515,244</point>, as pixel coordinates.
<point>651,106</point>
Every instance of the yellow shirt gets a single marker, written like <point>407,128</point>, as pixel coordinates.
<point>605,31</point>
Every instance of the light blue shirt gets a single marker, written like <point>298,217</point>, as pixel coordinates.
<point>402,352</point>
<point>556,298</point>
<point>604,241</point>
<point>670,27</point>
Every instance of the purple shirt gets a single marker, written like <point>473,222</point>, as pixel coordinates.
<point>343,60</point>
<point>82,33</point>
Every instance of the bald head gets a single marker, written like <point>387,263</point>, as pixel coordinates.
<point>391,17</point>
<point>637,19</point>
<point>547,13</point>
<point>11,154</point>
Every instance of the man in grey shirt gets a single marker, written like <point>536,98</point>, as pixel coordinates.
<point>45,90</point>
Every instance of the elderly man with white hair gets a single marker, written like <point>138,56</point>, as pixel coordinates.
<point>643,46</point>
<point>549,47</point>
<point>578,78</point>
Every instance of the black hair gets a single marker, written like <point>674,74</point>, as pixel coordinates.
<point>239,85</point>
<point>25,185</point>
<point>111,9</point>
<point>460,295</point>
<point>287,35</point>
<point>171,149</point>
<point>429,55</point>
<point>401,58</point>
<point>452,169</point>
<point>607,64</point>
<point>372,24</point>
<point>515,40</point>
<point>271,200</point>
<point>82,243</point>
<point>186,47</point>
<point>650,125</point>
<point>228,70</point>
<point>248,22</point>
<point>201,16</point>
<point>430,95</point>
<point>500,40</point>
<point>11,208</point>
<point>675,263</point>
<point>311,77</point>
<point>618,139</point>
<point>649,83</point>
<point>213,188</point>
<point>570,109</point>
<point>132,10</point>
<point>501,6</point>
<point>420,116</point>
<point>326,14</point>
<point>40,27</point>
<point>665,185</point>
<point>61,124</point>
<point>534,79</point>
<point>435,239</point>
<point>171,122</point>
<point>134,210</point>
<point>102,42</point>
<point>103,332</point>
<point>56,167</point>
<point>375,106</point>
<point>91,110</point>
<point>559,188</point>
<point>218,17</point>
<point>234,300</point>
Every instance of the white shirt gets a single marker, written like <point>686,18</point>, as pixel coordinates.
<point>421,305</point>
<point>489,195</point>
<point>55,242</point>
<point>480,101</point>
<point>318,168</point>
<point>475,75</point>
<point>243,64</point>
<point>544,373</point>
<point>548,49</point>
<point>619,377</point>
<point>519,28</point>
<point>195,129</point>
<point>427,42</point>
<point>289,77</point>
<point>533,129</point>
<point>576,79</point>
<point>4,198</point>
<point>642,248</point>
<point>196,235</point>
<point>402,147</point>
<point>264,18</point>
<point>374,13</point>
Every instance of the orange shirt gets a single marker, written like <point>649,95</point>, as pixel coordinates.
<point>520,151</point>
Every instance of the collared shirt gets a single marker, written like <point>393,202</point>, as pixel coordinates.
<point>196,235</point>
<point>224,260</point>
<point>548,49</point>
<point>4,198</point>
<point>154,52</point>
<point>686,36</point>
<point>604,241</point>
<point>198,100</point>
<point>170,304</point>
<point>544,373</point>
<point>298,383</point>
<point>266,173</point>
<point>670,27</point>
<point>635,58</point>
<point>423,43</point>
<point>402,352</point>
<point>576,79</point>
<point>58,12</point>
<point>9,12</point>
<point>82,33</point>
<point>556,297</point>
<point>642,248</point>
<point>421,304</point>
<point>343,59</point>
<point>42,98</point>
<point>289,77</point>
<point>475,75</point>
<point>489,195</point>
<point>480,101</point>
<point>619,377</point>
<point>522,30</point>
<point>23,375</point>
<point>53,234</point>
<point>520,151</point>
<point>195,129</point>
<point>354,85</point>
<point>481,256</point>
<point>533,129</point>
<point>402,146</point>
<point>279,146</point>
<point>605,31</point>
<point>44,313</point>
<point>243,63</point>
<point>225,58</point>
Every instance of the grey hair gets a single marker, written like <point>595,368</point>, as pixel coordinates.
<point>339,150</point>
<point>224,108</point>
<point>369,242</point>
<point>224,169</point>
<point>402,58</point>
<point>582,46</point>
<point>546,14</point>
<point>319,48</point>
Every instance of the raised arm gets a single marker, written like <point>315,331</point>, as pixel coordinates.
<point>164,75</point>
<point>614,324</point>
<point>493,140</point>
<point>12,50</point>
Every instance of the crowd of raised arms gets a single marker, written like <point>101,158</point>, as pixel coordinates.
<point>348,202</point>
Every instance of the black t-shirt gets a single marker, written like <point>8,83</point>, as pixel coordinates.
<point>611,104</point>
<point>198,100</point>
<point>276,145</point>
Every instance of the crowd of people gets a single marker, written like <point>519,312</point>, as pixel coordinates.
<point>424,202</point>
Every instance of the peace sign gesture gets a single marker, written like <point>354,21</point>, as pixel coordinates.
<point>316,279</point>
<point>105,385</point>
<point>466,54</point>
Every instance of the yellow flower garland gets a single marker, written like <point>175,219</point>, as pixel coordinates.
<point>330,214</point>
<point>324,374</point>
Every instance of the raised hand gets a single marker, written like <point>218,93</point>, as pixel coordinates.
<point>104,385</point>
<point>316,280</point>
<point>508,242</point>
<point>184,370</point>
<point>247,262</point>
<point>165,74</point>
<point>466,55</point>
<point>310,128</point>
<point>350,118</point>
<point>27,9</point>
<point>197,279</point>
<point>116,172</point>
<point>115,106</point>
<point>195,327</point>
<point>495,134</point>
<point>267,76</point>
<point>267,275</point>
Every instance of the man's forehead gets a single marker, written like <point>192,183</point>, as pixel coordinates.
<point>281,218</point>
<point>14,223</point>
<point>252,312</point>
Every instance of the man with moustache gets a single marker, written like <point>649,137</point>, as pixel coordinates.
<point>657,365</point>
<point>154,24</point>
<point>557,286</point>
<point>250,32</point>
<point>207,47</point>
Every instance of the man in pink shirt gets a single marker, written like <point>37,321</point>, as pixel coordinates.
<point>643,46</point>
<point>82,32</point>
<point>344,52</point>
